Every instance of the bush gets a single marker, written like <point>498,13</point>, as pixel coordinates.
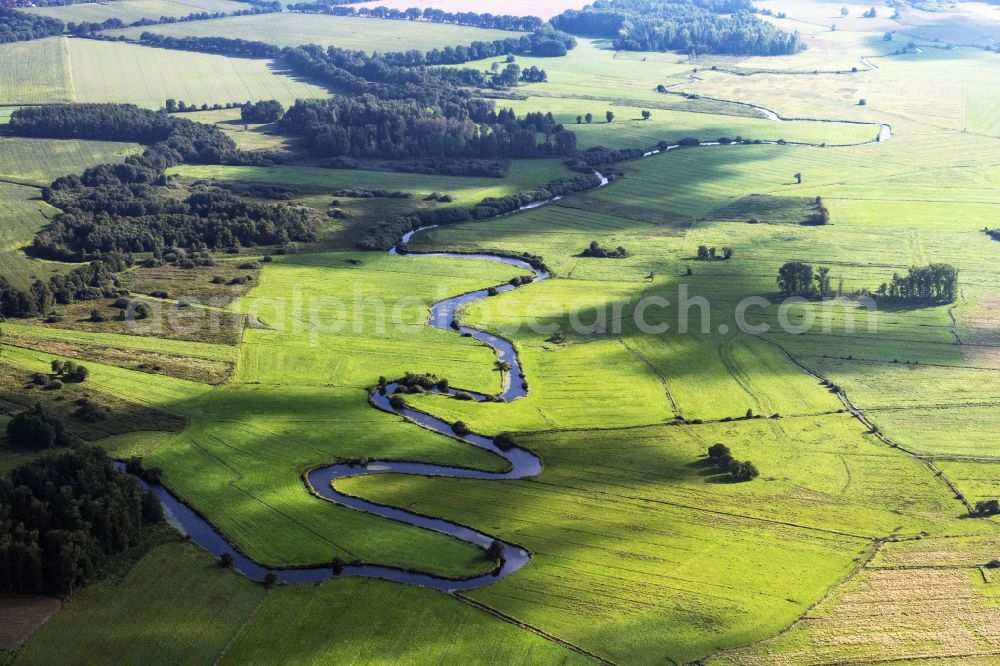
<point>91,411</point>
<point>988,507</point>
<point>743,471</point>
<point>226,560</point>
<point>495,551</point>
<point>504,441</point>
<point>717,451</point>
<point>36,430</point>
<point>270,578</point>
<point>397,402</point>
<point>460,429</point>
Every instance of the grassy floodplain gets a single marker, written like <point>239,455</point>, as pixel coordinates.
<point>851,545</point>
<point>346,32</point>
<point>217,615</point>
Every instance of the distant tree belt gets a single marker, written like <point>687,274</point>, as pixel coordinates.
<point>124,208</point>
<point>704,26</point>
<point>386,233</point>
<point>491,21</point>
<point>460,127</point>
<point>64,515</point>
<point>18,26</point>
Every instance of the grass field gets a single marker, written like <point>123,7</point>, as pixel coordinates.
<point>932,604</point>
<point>850,547</point>
<point>346,32</point>
<point>134,10</point>
<point>40,161</point>
<point>216,615</point>
<point>35,72</point>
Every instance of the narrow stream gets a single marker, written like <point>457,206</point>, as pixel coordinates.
<point>521,463</point>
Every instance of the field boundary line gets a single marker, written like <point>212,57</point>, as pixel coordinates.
<point>873,550</point>
<point>877,432</point>
<point>533,629</point>
<point>663,380</point>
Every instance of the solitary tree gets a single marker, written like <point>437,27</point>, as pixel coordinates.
<point>798,178</point>
<point>844,11</point>
<point>646,114</point>
<point>579,119</point>
<point>589,118</point>
<point>610,116</point>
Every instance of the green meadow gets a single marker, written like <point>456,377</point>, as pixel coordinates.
<point>134,10</point>
<point>346,32</point>
<point>854,543</point>
<point>216,615</point>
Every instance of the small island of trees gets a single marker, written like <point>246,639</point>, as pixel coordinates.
<point>596,250</point>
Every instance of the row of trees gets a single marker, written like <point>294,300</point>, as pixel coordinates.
<point>18,26</point>
<point>704,26</point>
<point>486,20</point>
<point>935,283</point>
<point>64,515</point>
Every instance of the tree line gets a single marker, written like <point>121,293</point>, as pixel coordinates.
<point>702,26</point>
<point>365,126</point>
<point>64,515</point>
<point>429,14</point>
<point>18,26</point>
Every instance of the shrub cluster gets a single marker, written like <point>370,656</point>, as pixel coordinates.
<point>739,470</point>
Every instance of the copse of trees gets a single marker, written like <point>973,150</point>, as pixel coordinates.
<point>739,470</point>
<point>18,26</point>
<point>63,516</point>
<point>933,284</point>
<point>96,280</point>
<point>595,250</point>
<point>796,278</point>
<point>37,430</point>
<point>929,285</point>
<point>703,26</point>
<point>366,126</point>
<point>121,208</point>
<point>264,111</point>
